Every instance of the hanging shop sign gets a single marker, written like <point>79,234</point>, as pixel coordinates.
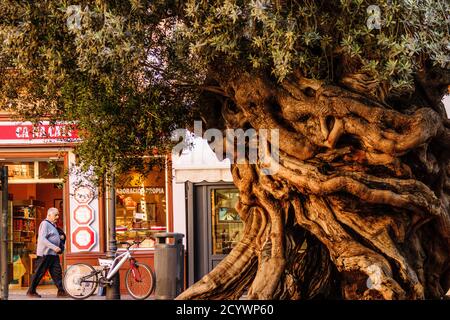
<point>83,215</point>
<point>84,222</point>
<point>83,238</point>
<point>83,195</point>
<point>27,133</point>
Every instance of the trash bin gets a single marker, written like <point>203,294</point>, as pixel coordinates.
<point>169,265</point>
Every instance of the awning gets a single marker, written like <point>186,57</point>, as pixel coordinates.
<point>200,164</point>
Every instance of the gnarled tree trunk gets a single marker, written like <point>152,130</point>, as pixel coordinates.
<point>359,208</point>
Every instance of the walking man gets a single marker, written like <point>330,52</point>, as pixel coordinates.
<point>48,246</point>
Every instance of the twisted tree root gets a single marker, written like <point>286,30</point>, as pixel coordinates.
<point>365,184</point>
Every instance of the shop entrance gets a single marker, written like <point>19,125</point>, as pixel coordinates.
<point>214,226</point>
<point>28,205</point>
<point>35,185</point>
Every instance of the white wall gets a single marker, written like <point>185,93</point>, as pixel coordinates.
<point>179,209</point>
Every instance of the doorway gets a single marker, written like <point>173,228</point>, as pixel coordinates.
<point>29,203</point>
<point>214,226</point>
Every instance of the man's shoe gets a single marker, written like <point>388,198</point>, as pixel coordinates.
<point>33,295</point>
<point>62,294</point>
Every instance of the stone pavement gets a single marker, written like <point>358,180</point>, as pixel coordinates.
<point>48,292</point>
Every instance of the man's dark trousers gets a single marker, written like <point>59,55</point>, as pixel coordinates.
<point>51,263</point>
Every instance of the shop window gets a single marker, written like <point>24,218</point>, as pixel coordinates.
<point>51,169</point>
<point>141,207</point>
<point>35,171</point>
<point>227,226</point>
<point>20,170</point>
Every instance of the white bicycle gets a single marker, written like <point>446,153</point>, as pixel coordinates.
<point>81,279</point>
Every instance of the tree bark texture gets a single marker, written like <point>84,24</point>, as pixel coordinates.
<point>359,208</point>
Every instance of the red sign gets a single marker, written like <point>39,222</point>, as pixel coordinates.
<point>26,132</point>
<point>83,215</point>
<point>83,238</point>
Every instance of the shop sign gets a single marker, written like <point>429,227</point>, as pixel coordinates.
<point>84,238</point>
<point>83,195</point>
<point>26,132</point>
<point>142,191</point>
<point>83,215</point>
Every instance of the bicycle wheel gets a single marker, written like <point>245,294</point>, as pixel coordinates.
<point>80,281</point>
<point>140,281</point>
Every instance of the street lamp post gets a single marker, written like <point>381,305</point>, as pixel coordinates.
<point>113,291</point>
<point>4,277</point>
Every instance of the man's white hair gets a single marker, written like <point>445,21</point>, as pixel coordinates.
<point>52,211</point>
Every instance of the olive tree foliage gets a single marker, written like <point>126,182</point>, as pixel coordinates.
<point>386,40</point>
<point>354,88</point>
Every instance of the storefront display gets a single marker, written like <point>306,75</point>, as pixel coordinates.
<point>24,228</point>
<point>35,170</point>
<point>141,207</point>
<point>21,170</point>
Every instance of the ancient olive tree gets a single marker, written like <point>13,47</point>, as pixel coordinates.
<point>359,205</point>
<point>355,91</point>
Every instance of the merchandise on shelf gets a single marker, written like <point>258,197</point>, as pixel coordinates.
<point>23,228</point>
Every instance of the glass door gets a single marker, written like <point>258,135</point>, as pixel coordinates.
<point>226,225</point>
<point>214,226</point>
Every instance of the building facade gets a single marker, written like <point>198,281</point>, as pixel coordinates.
<point>43,173</point>
<point>192,194</point>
